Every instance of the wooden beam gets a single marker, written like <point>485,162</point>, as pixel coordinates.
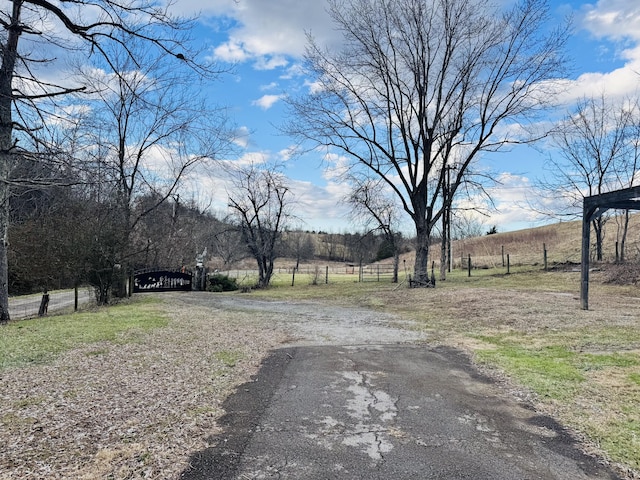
<point>611,197</point>
<point>593,207</point>
<point>584,265</point>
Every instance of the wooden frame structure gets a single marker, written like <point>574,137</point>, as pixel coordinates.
<point>593,207</point>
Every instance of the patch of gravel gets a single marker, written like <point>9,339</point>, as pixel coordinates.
<point>134,410</point>
<point>313,323</point>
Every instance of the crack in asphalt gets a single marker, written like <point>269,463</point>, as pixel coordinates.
<point>367,405</point>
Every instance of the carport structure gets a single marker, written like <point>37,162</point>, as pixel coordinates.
<point>593,207</point>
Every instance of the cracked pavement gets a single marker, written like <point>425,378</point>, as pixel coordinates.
<point>398,409</point>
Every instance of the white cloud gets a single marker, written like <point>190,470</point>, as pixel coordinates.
<point>241,136</point>
<point>616,22</point>
<point>288,153</point>
<point>320,207</point>
<point>337,166</point>
<point>266,101</point>
<point>512,197</point>
<point>615,19</point>
<point>271,62</point>
<point>231,51</point>
<point>267,31</point>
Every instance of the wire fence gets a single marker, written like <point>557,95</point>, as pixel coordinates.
<point>59,301</point>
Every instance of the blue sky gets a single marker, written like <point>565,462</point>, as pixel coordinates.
<point>265,41</point>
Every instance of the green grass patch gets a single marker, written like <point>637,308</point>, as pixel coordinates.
<point>634,378</point>
<point>549,371</point>
<point>228,358</point>
<point>41,340</point>
<point>591,361</point>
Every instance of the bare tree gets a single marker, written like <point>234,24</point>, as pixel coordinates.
<point>227,243</point>
<point>593,147</point>
<point>30,27</point>
<point>300,245</point>
<point>379,213</point>
<point>147,132</point>
<point>420,85</point>
<point>629,170</point>
<point>260,204</point>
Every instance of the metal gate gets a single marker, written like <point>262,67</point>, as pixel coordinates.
<point>162,280</point>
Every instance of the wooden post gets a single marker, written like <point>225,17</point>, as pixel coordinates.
<point>584,268</point>
<point>503,255</point>
<point>508,264</point>
<point>293,277</point>
<point>44,304</point>
<point>326,276</point>
<point>75,297</point>
<point>544,255</point>
<point>469,266</point>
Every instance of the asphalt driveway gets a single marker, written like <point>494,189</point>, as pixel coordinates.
<point>384,411</point>
<point>359,394</point>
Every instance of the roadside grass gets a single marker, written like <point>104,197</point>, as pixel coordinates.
<point>40,340</point>
<point>583,367</point>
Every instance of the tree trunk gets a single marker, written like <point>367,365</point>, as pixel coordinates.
<point>421,265</point>
<point>9,55</point>
<point>625,229</point>
<point>396,263</point>
<point>443,258</point>
<point>4,244</point>
<point>597,227</point>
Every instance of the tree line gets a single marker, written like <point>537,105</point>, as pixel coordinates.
<point>64,236</point>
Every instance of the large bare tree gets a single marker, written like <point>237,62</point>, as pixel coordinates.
<point>420,85</point>
<point>596,154</point>
<point>36,32</point>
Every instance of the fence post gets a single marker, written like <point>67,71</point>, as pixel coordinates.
<point>75,298</point>
<point>293,277</point>
<point>44,304</point>
<point>544,254</point>
<point>503,255</point>
<point>508,264</point>
<point>326,275</point>
<point>469,266</point>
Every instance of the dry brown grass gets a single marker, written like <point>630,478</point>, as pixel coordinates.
<point>128,410</point>
<point>562,242</point>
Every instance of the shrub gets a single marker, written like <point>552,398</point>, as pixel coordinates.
<point>222,283</point>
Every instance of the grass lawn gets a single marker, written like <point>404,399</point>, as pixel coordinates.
<point>40,340</point>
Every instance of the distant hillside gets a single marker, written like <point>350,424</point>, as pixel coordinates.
<point>562,241</point>
<point>525,247</point>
